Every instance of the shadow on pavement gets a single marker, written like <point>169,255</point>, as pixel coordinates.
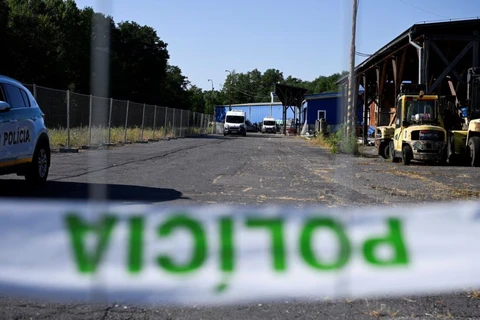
<point>209,136</point>
<point>249,135</point>
<point>264,135</point>
<point>83,191</point>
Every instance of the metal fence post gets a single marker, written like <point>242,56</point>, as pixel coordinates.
<point>193,120</point>
<point>90,122</point>
<point>181,123</point>
<point>154,120</point>
<point>68,119</point>
<point>208,123</point>
<point>35,91</point>
<point>126,124</point>
<point>205,125</point>
<point>205,128</point>
<point>173,124</point>
<point>110,120</point>
<point>214,121</point>
<point>165,127</point>
<point>188,123</point>
<point>201,125</point>
<point>143,119</point>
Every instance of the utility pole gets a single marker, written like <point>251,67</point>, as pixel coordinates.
<point>230,90</point>
<point>352,83</point>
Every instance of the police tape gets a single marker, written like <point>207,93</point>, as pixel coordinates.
<point>225,254</point>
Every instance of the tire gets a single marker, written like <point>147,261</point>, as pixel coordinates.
<point>407,155</point>
<point>391,152</point>
<point>474,148</point>
<point>37,174</point>
<point>444,160</point>
<point>386,151</point>
<point>451,158</point>
<point>382,150</point>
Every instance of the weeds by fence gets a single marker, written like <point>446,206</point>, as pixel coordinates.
<point>338,141</point>
<point>76,120</point>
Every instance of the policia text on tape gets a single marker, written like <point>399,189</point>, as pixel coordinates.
<point>87,261</point>
<point>226,254</point>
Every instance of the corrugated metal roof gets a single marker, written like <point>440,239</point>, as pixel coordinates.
<point>258,104</point>
<point>326,95</point>
<point>323,95</point>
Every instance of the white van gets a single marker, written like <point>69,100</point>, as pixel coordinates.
<point>269,125</point>
<point>235,123</point>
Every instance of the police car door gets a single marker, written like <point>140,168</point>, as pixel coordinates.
<point>7,124</point>
<point>17,127</point>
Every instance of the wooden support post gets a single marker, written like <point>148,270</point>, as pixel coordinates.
<point>377,108</point>
<point>430,82</point>
<point>460,82</point>
<point>426,61</point>
<point>394,69</point>
<point>400,74</point>
<point>381,86</point>
<point>475,61</point>
<point>365,112</point>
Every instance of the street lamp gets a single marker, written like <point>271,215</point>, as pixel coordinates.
<point>230,90</point>
<point>214,126</point>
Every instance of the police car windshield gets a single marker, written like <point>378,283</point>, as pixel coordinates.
<point>234,119</point>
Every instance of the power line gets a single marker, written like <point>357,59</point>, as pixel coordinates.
<point>361,54</point>
<point>245,93</point>
<point>424,10</point>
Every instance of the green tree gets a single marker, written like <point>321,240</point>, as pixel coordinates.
<point>4,35</point>
<point>33,53</point>
<point>269,78</point>
<point>174,87</point>
<point>196,99</point>
<point>139,63</point>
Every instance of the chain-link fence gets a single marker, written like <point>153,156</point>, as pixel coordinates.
<point>77,120</point>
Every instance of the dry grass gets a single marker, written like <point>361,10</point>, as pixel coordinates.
<point>83,136</point>
<point>474,294</point>
<point>444,192</point>
<point>324,142</point>
<point>384,311</point>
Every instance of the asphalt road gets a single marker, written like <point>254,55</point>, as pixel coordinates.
<point>260,170</point>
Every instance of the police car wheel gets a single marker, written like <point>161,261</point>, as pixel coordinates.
<point>38,171</point>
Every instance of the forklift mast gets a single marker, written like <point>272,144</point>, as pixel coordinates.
<point>473,93</point>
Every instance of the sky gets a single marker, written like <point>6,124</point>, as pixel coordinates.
<point>301,38</point>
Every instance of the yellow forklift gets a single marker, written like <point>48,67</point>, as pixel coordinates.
<point>463,123</point>
<point>418,134</point>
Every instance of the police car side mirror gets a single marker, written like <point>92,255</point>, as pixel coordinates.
<point>4,106</point>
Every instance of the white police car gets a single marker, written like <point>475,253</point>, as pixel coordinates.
<point>24,140</point>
